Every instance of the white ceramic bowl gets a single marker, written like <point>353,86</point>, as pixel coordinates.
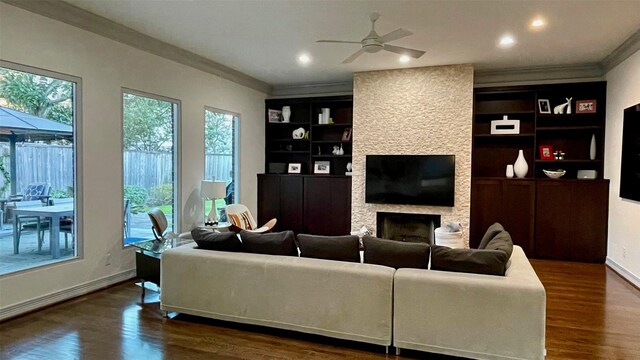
<point>555,173</point>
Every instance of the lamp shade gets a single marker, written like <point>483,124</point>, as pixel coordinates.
<point>213,189</point>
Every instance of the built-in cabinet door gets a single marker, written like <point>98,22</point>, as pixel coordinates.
<point>571,219</point>
<point>291,211</point>
<point>327,205</point>
<point>510,202</point>
<point>486,208</point>
<point>268,199</point>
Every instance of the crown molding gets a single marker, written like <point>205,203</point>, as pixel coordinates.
<point>83,19</point>
<point>528,75</point>
<point>622,52</point>
<point>313,89</point>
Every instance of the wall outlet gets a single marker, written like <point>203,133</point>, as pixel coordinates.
<point>624,252</point>
<point>107,260</point>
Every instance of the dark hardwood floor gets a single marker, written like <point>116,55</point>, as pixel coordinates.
<point>591,314</point>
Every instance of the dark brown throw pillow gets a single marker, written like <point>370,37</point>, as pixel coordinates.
<point>395,254</point>
<point>492,231</point>
<point>222,241</point>
<point>341,248</point>
<point>275,243</point>
<point>487,262</point>
<point>501,241</point>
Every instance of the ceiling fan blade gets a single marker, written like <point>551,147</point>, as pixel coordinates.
<point>395,35</point>
<point>353,57</point>
<point>339,42</point>
<point>404,51</point>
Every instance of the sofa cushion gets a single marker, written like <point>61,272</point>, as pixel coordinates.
<point>275,243</point>
<point>342,248</point>
<point>396,254</point>
<point>488,262</point>
<point>492,231</point>
<point>501,241</point>
<point>210,240</point>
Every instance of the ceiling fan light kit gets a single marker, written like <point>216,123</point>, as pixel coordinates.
<point>373,42</point>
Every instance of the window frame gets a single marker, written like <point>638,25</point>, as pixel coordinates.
<point>235,151</point>
<point>177,152</point>
<point>78,209</point>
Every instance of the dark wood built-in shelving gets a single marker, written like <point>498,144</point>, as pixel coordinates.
<point>563,219</point>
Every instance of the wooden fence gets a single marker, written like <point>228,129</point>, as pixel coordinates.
<point>54,164</point>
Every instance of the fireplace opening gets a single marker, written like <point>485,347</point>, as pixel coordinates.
<point>407,227</point>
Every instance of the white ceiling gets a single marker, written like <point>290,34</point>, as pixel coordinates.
<point>263,38</point>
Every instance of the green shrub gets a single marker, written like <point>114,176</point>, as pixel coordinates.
<point>161,195</point>
<point>59,193</point>
<point>137,196</point>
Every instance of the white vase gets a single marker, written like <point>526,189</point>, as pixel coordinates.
<point>509,171</point>
<point>592,149</point>
<point>520,167</point>
<point>286,113</point>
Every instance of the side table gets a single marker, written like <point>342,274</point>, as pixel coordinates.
<point>148,256</point>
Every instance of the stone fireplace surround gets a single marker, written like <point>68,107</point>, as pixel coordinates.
<point>416,111</point>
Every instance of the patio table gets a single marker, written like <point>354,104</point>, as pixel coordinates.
<point>54,213</point>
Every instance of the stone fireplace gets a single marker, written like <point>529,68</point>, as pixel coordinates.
<point>407,227</point>
<point>416,111</point>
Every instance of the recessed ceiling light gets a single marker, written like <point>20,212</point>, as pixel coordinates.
<point>304,59</point>
<point>404,58</point>
<point>507,41</point>
<point>537,23</point>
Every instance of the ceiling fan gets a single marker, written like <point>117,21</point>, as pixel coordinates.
<point>373,42</point>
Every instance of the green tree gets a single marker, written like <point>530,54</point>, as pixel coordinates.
<point>37,95</point>
<point>218,133</point>
<point>148,123</point>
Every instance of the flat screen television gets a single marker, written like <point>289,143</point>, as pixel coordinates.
<point>410,179</point>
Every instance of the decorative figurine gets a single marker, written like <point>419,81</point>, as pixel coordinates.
<point>560,108</point>
<point>336,150</point>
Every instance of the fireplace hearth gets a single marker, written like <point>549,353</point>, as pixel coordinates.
<point>407,227</point>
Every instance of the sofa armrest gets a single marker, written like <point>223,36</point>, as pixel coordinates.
<point>471,315</point>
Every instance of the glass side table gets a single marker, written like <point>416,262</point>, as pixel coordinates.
<point>148,254</point>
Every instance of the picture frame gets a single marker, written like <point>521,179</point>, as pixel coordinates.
<point>546,152</point>
<point>346,135</point>
<point>586,106</point>
<point>275,116</point>
<point>544,106</point>
<point>294,168</point>
<point>322,167</point>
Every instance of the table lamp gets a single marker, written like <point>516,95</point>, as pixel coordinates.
<point>213,190</point>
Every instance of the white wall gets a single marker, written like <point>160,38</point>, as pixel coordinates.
<point>106,66</point>
<point>623,90</point>
<point>417,111</point>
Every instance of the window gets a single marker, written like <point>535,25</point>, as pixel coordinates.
<point>149,162</point>
<point>221,149</point>
<point>39,217</point>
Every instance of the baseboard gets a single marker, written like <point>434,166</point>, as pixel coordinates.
<point>626,274</point>
<point>66,294</point>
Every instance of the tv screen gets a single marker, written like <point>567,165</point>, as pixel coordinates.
<point>410,179</point>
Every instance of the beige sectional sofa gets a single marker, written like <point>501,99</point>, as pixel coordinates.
<point>477,316</point>
<point>470,315</point>
<point>343,300</point>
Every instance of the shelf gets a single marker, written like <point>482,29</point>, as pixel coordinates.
<point>330,141</point>
<point>505,112</point>
<point>567,116</point>
<point>289,152</point>
<point>287,140</point>
<point>502,178</point>
<point>288,123</point>
<point>569,161</point>
<point>567,128</point>
<point>503,135</point>
<point>332,125</point>
<point>331,156</point>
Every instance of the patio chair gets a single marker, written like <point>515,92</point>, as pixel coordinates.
<point>127,218</point>
<point>30,223</point>
<point>33,191</point>
<point>66,223</point>
<point>241,219</point>
<point>159,226</point>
